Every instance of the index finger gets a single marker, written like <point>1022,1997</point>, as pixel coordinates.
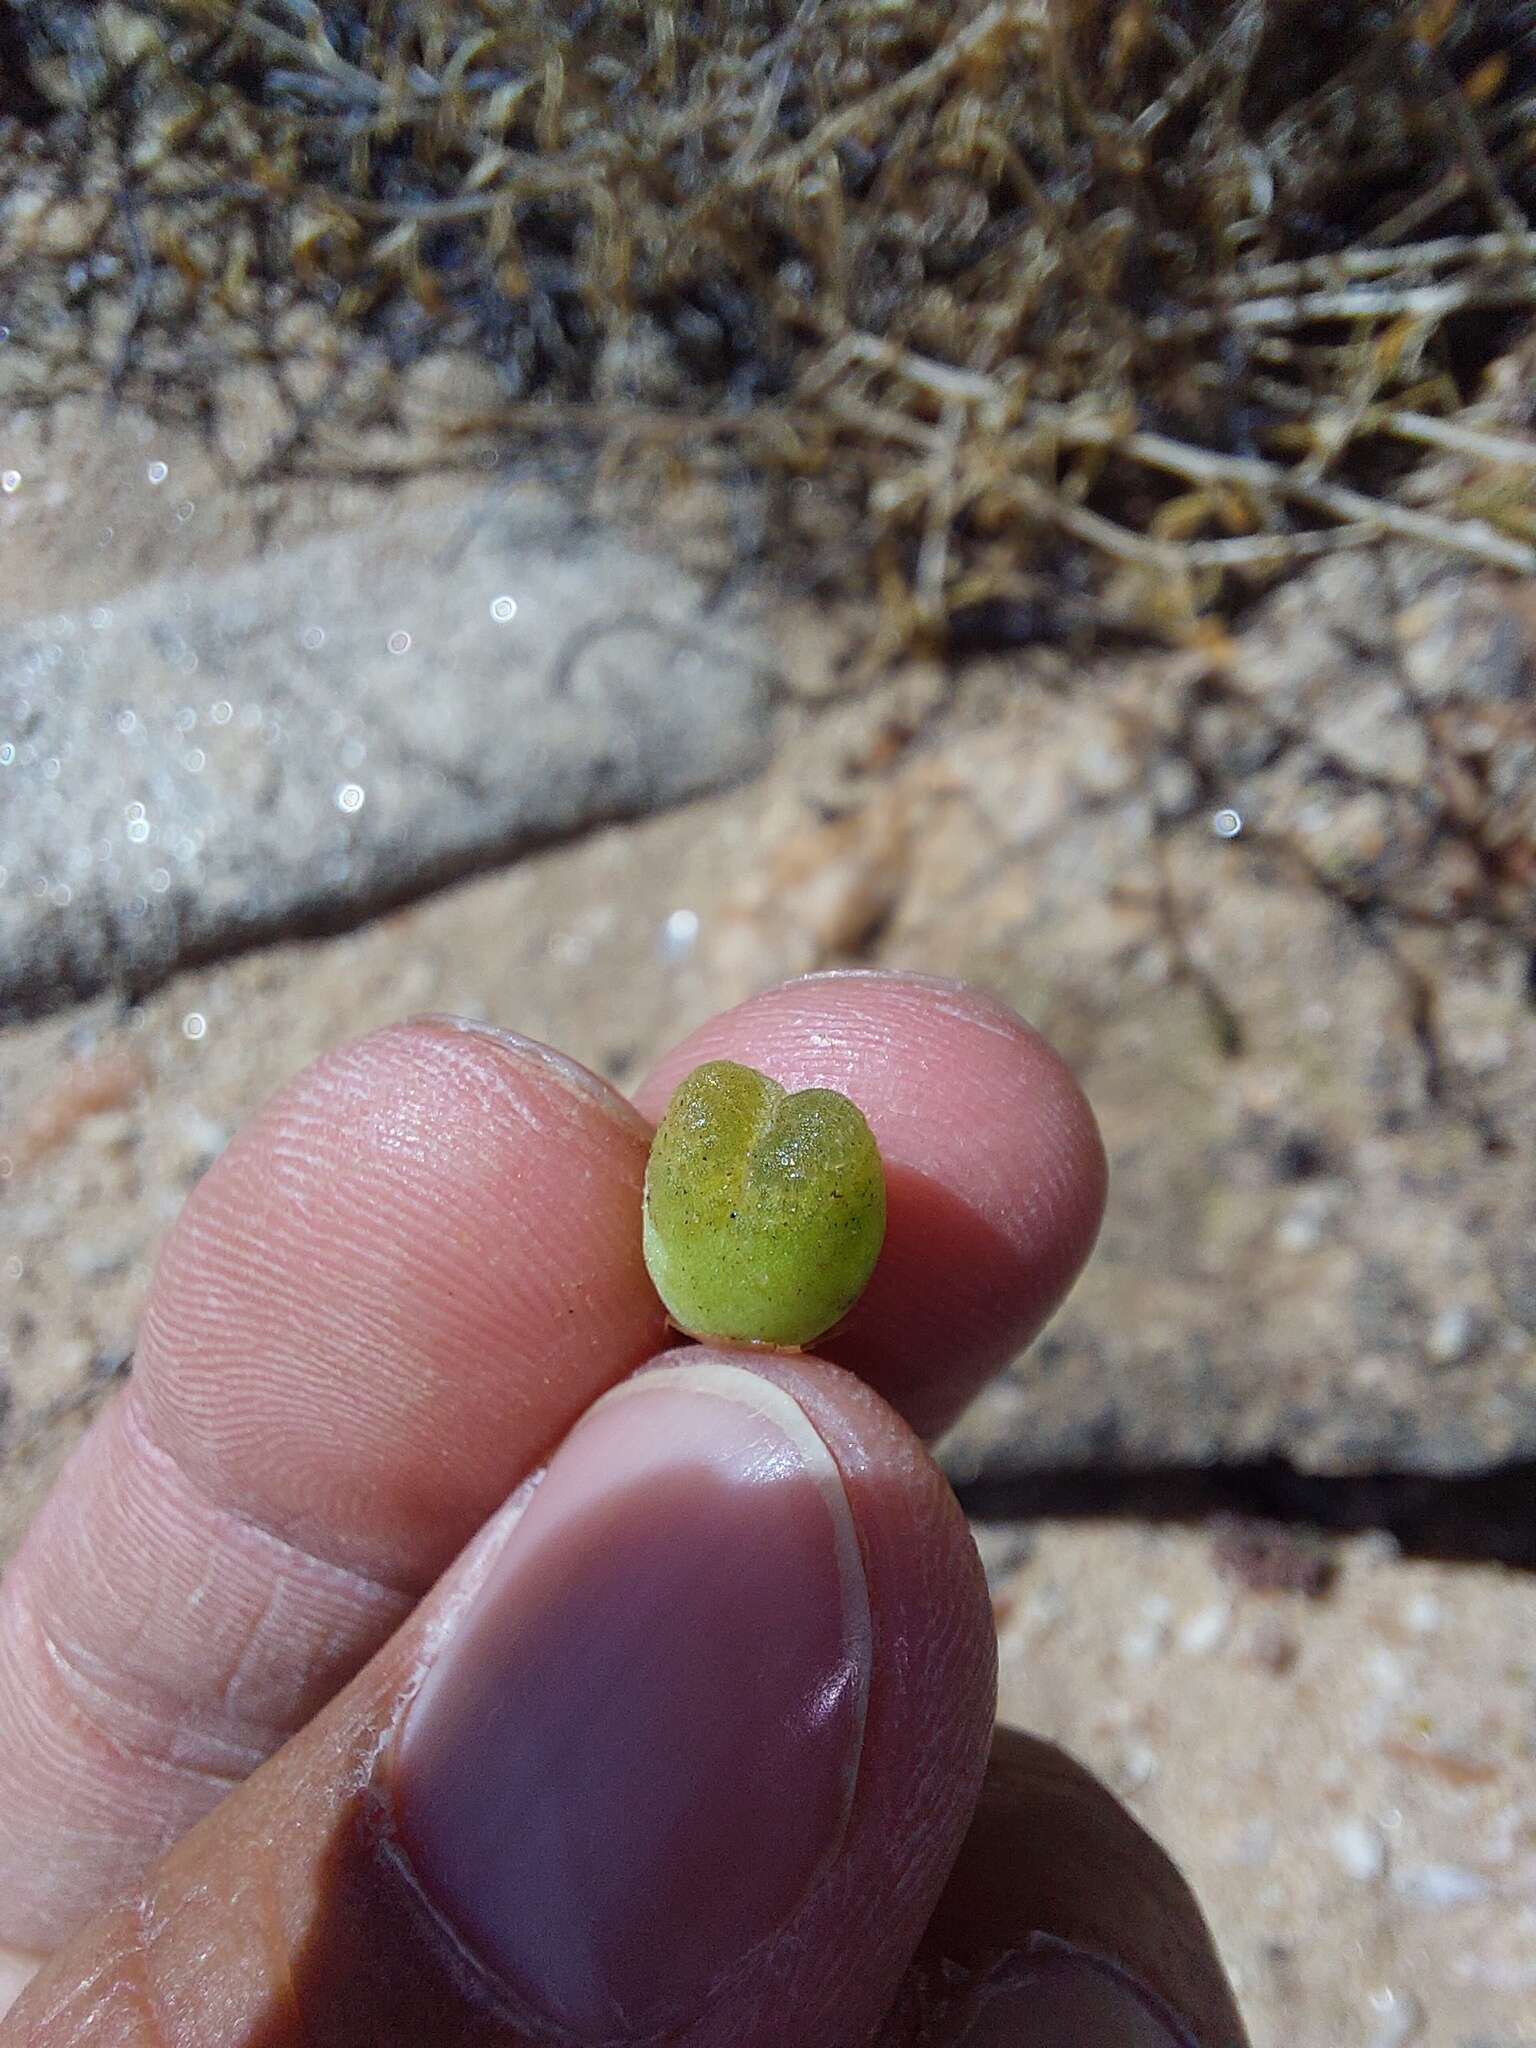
<point>995,1171</point>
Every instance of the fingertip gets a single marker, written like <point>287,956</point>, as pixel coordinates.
<point>566,1072</point>
<point>401,1282</point>
<point>996,1174</point>
<point>1063,1909</point>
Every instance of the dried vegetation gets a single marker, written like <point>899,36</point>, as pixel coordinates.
<point>1117,304</point>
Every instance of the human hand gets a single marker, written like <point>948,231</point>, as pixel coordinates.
<point>324,1726</point>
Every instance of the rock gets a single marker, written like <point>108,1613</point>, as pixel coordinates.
<point>1441,1886</point>
<point>1359,1899</point>
<point>290,746</point>
<point>1358,1849</point>
<point>1312,1048</point>
<point>1466,639</point>
<point>1205,1630</point>
<point>81,1092</point>
<point>1399,2018</point>
<point>1455,1334</point>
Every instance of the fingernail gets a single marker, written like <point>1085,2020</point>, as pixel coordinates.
<point>635,1752</point>
<point>942,983</point>
<point>1056,1996</point>
<point>559,1066</point>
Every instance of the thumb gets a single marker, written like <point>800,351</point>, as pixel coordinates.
<point>685,1745</point>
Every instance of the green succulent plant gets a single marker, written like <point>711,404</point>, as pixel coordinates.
<point>764,1211</point>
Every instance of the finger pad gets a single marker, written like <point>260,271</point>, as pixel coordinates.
<point>397,1288</point>
<point>995,1171</point>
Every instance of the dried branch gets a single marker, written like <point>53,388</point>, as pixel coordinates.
<point>1008,284</point>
